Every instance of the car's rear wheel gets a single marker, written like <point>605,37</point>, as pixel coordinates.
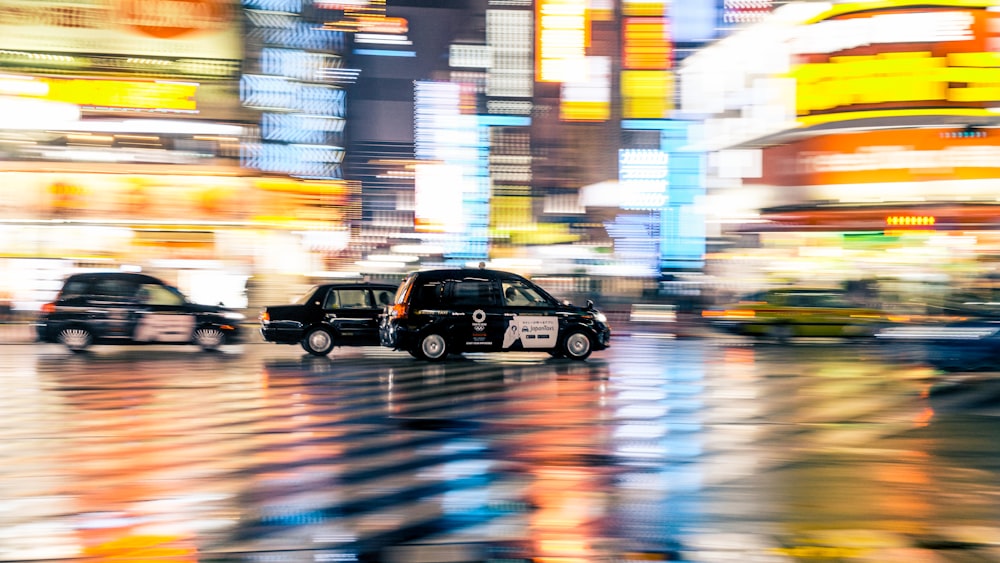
<point>76,338</point>
<point>209,338</point>
<point>781,332</point>
<point>577,345</point>
<point>433,347</point>
<point>318,342</point>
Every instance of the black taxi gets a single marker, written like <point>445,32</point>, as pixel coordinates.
<point>328,315</point>
<point>117,307</point>
<point>444,311</point>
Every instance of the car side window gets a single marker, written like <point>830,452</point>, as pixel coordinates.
<point>471,293</point>
<point>352,298</point>
<point>429,295</point>
<point>115,289</point>
<point>383,297</point>
<point>518,294</point>
<point>155,294</point>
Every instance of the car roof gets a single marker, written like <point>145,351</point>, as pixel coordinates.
<point>133,276</point>
<point>358,285</point>
<point>445,273</point>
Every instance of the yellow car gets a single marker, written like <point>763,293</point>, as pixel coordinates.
<point>798,312</point>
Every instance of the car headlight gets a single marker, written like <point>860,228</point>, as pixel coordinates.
<point>233,316</point>
<point>599,317</point>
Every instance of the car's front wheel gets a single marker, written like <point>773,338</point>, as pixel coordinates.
<point>209,338</point>
<point>577,345</point>
<point>76,338</point>
<point>318,342</point>
<point>433,347</point>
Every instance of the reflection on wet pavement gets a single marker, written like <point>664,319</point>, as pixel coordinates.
<point>680,450</point>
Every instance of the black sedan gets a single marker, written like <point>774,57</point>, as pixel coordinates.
<point>328,315</point>
<point>132,308</point>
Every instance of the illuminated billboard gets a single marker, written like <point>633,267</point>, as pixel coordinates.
<point>883,157</point>
<point>202,29</point>
<point>896,61</point>
<point>647,85</point>
<point>97,93</point>
<point>812,64</point>
<point>562,39</point>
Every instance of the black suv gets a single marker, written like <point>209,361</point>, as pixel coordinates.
<point>437,312</point>
<point>343,314</point>
<point>132,308</point>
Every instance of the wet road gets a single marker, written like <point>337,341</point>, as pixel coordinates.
<point>693,450</point>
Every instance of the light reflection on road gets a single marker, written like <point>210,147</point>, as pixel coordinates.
<point>694,450</point>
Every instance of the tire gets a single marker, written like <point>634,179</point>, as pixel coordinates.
<point>76,338</point>
<point>209,338</point>
<point>780,333</point>
<point>318,342</point>
<point>577,345</point>
<point>433,347</point>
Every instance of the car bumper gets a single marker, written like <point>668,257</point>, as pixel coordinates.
<point>603,339</point>
<point>280,335</point>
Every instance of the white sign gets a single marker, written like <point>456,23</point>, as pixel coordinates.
<point>166,327</point>
<point>533,331</point>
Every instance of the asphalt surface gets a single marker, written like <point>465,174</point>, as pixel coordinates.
<point>660,448</point>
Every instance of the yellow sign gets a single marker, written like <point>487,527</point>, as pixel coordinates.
<point>563,34</point>
<point>158,95</point>
<point>892,78</point>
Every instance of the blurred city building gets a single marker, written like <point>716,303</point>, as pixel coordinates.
<point>610,147</point>
<point>201,141</point>
<point>851,141</point>
<point>543,142</point>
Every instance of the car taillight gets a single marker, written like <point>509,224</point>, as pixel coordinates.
<point>397,311</point>
<point>264,317</point>
<point>49,308</point>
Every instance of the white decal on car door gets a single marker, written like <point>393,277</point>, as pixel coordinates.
<point>164,327</point>
<point>534,331</point>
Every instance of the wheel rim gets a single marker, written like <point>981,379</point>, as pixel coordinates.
<point>433,346</point>
<point>319,340</point>
<point>75,338</point>
<point>577,344</point>
<point>208,337</point>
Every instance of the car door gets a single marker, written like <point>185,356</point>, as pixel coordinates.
<point>354,313</point>
<point>110,306</point>
<point>478,319</point>
<point>531,322</point>
<point>162,316</point>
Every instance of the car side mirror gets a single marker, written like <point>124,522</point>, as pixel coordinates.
<point>590,304</point>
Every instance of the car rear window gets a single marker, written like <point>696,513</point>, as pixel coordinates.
<point>74,288</point>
